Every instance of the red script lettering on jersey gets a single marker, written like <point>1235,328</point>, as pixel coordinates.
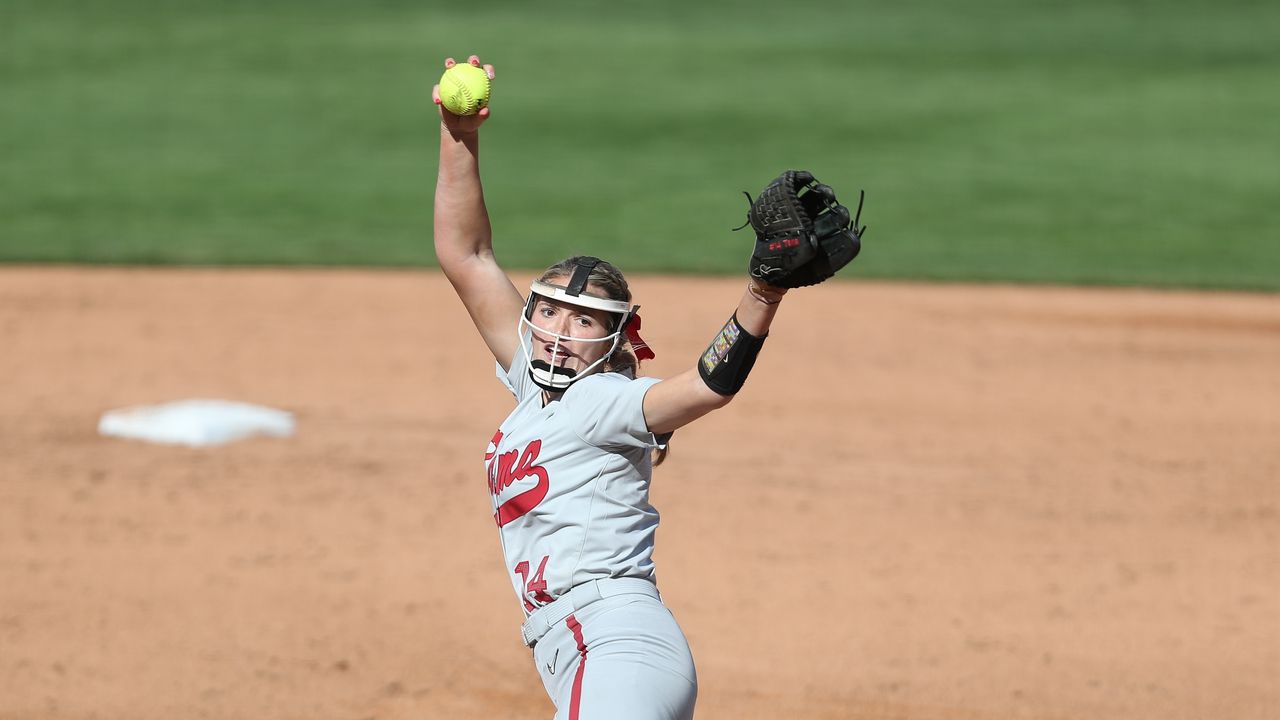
<point>511,467</point>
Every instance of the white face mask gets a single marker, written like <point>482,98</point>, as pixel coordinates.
<point>552,377</point>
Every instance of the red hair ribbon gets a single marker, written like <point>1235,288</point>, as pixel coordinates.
<point>637,343</point>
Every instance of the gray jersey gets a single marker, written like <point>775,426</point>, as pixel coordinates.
<point>570,484</point>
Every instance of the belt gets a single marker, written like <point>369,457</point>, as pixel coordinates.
<point>578,597</point>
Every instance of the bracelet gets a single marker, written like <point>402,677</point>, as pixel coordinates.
<point>759,294</point>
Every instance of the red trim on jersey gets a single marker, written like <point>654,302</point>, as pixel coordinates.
<point>576,698</point>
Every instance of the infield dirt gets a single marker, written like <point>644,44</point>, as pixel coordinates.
<point>931,502</point>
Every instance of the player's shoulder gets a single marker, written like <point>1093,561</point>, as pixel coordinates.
<point>607,410</point>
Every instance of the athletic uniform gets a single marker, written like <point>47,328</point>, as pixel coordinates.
<point>570,487</point>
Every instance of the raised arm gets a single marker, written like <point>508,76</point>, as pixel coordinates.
<point>803,236</point>
<point>463,237</point>
<point>683,398</point>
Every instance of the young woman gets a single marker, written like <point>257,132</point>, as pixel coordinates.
<point>569,469</point>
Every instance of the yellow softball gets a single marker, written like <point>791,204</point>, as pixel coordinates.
<point>464,89</point>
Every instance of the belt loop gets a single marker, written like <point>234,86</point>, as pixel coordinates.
<point>583,595</point>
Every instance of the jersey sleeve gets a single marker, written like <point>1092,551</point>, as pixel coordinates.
<point>607,411</point>
<point>517,379</point>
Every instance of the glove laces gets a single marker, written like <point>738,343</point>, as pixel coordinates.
<point>751,202</point>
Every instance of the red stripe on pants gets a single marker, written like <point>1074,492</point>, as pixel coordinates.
<point>576,698</point>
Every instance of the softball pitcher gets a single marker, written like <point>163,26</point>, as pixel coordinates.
<point>569,469</point>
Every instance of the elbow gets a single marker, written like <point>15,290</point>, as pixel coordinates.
<point>713,400</point>
<point>721,401</point>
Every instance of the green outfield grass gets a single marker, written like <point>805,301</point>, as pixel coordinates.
<point>1094,141</point>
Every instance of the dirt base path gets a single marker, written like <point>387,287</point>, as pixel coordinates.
<point>966,503</point>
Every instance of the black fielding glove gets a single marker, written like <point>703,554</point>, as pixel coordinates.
<point>803,234</point>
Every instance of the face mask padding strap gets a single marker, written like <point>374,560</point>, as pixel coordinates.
<point>581,273</point>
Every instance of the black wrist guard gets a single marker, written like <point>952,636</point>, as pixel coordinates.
<point>727,362</point>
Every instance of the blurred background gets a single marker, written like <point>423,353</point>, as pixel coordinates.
<point>1097,141</point>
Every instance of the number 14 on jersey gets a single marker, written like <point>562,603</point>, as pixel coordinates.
<point>535,588</point>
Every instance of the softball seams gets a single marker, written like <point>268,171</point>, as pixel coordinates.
<point>460,89</point>
<point>466,102</point>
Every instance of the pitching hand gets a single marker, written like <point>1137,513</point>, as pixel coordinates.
<point>461,124</point>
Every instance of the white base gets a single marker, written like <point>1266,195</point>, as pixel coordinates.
<point>196,423</point>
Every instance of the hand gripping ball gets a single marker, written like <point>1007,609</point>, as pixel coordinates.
<point>464,89</point>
